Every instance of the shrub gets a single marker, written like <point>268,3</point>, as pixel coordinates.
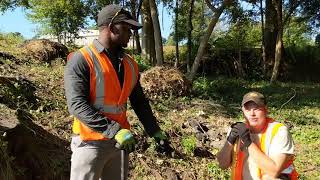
<point>169,54</point>
<point>142,63</point>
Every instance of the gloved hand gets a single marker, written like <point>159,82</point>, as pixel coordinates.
<point>233,135</point>
<point>125,140</point>
<point>163,144</point>
<point>244,134</point>
<point>245,139</point>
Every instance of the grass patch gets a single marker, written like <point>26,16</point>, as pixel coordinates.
<point>215,171</point>
<point>307,140</point>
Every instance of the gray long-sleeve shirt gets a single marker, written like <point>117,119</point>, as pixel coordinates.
<point>77,89</point>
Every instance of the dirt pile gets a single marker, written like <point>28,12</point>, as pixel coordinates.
<point>161,82</point>
<point>44,50</point>
<point>24,149</point>
<point>28,150</point>
<point>34,157</point>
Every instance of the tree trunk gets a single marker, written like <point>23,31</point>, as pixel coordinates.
<point>279,44</point>
<point>205,40</point>
<point>190,28</point>
<point>238,61</point>
<point>136,33</point>
<point>270,33</point>
<point>157,32</point>
<point>263,41</point>
<point>148,50</point>
<point>176,64</point>
<point>240,70</point>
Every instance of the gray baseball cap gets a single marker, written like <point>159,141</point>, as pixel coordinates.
<point>115,14</point>
<point>254,96</point>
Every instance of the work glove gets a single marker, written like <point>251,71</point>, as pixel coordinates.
<point>233,135</point>
<point>163,144</point>
<point>125,140</point>
<point>244,135</point>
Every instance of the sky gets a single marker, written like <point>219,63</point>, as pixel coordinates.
<point>16,21</point>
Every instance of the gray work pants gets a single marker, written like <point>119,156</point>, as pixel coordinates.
<point>94,160</point>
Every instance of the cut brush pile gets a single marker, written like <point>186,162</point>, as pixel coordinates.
<point>162,82</point>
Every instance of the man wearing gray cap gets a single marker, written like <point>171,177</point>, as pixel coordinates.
<point>259,148</point>
<point>99,79</point>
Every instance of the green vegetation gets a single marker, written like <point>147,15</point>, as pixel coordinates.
<point>216,172</point>
<point>143,65</point>
<point>189,144</point>
<point>9,41</point>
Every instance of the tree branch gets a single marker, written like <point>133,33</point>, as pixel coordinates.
<point>292,7</point>
<point>208,2</point>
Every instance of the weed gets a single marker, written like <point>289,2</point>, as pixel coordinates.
<point>189,144</point>
<point>215,171</point>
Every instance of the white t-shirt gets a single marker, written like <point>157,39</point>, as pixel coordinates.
<point>282,143</point>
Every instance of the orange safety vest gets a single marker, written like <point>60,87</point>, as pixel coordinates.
<point>265,141</point>
<point>106,94</point>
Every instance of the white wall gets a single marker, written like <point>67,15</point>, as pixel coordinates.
<point>85,38</point>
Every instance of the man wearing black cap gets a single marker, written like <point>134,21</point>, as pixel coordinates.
<point>259,148</point>
<point>99,79</point>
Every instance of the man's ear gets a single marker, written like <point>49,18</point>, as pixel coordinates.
<point>110,27</point>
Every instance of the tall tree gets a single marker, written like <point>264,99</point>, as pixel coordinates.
<point>270,33</point>
<point>176,64</point>
<point>279,43</point>
<point>59,17</point>
<point>276,24</point>
<point>263,37</point>
<point>148,44</point>
<point>189,36</point>
<point>55,17</point>
<point>205,39</point>
<point>157,32</point>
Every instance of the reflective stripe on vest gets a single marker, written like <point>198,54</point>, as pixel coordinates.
<point>265,141</point>
<point>267,137</point>
<point>134,79</point>
<point>104,96</point>
<point>100,90</point>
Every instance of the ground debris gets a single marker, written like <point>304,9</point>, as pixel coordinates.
<point>7,55</point>
<point>8,119</point>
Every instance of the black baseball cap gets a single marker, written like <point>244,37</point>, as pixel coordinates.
<point>254,96</point>
<point>116,14</point>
